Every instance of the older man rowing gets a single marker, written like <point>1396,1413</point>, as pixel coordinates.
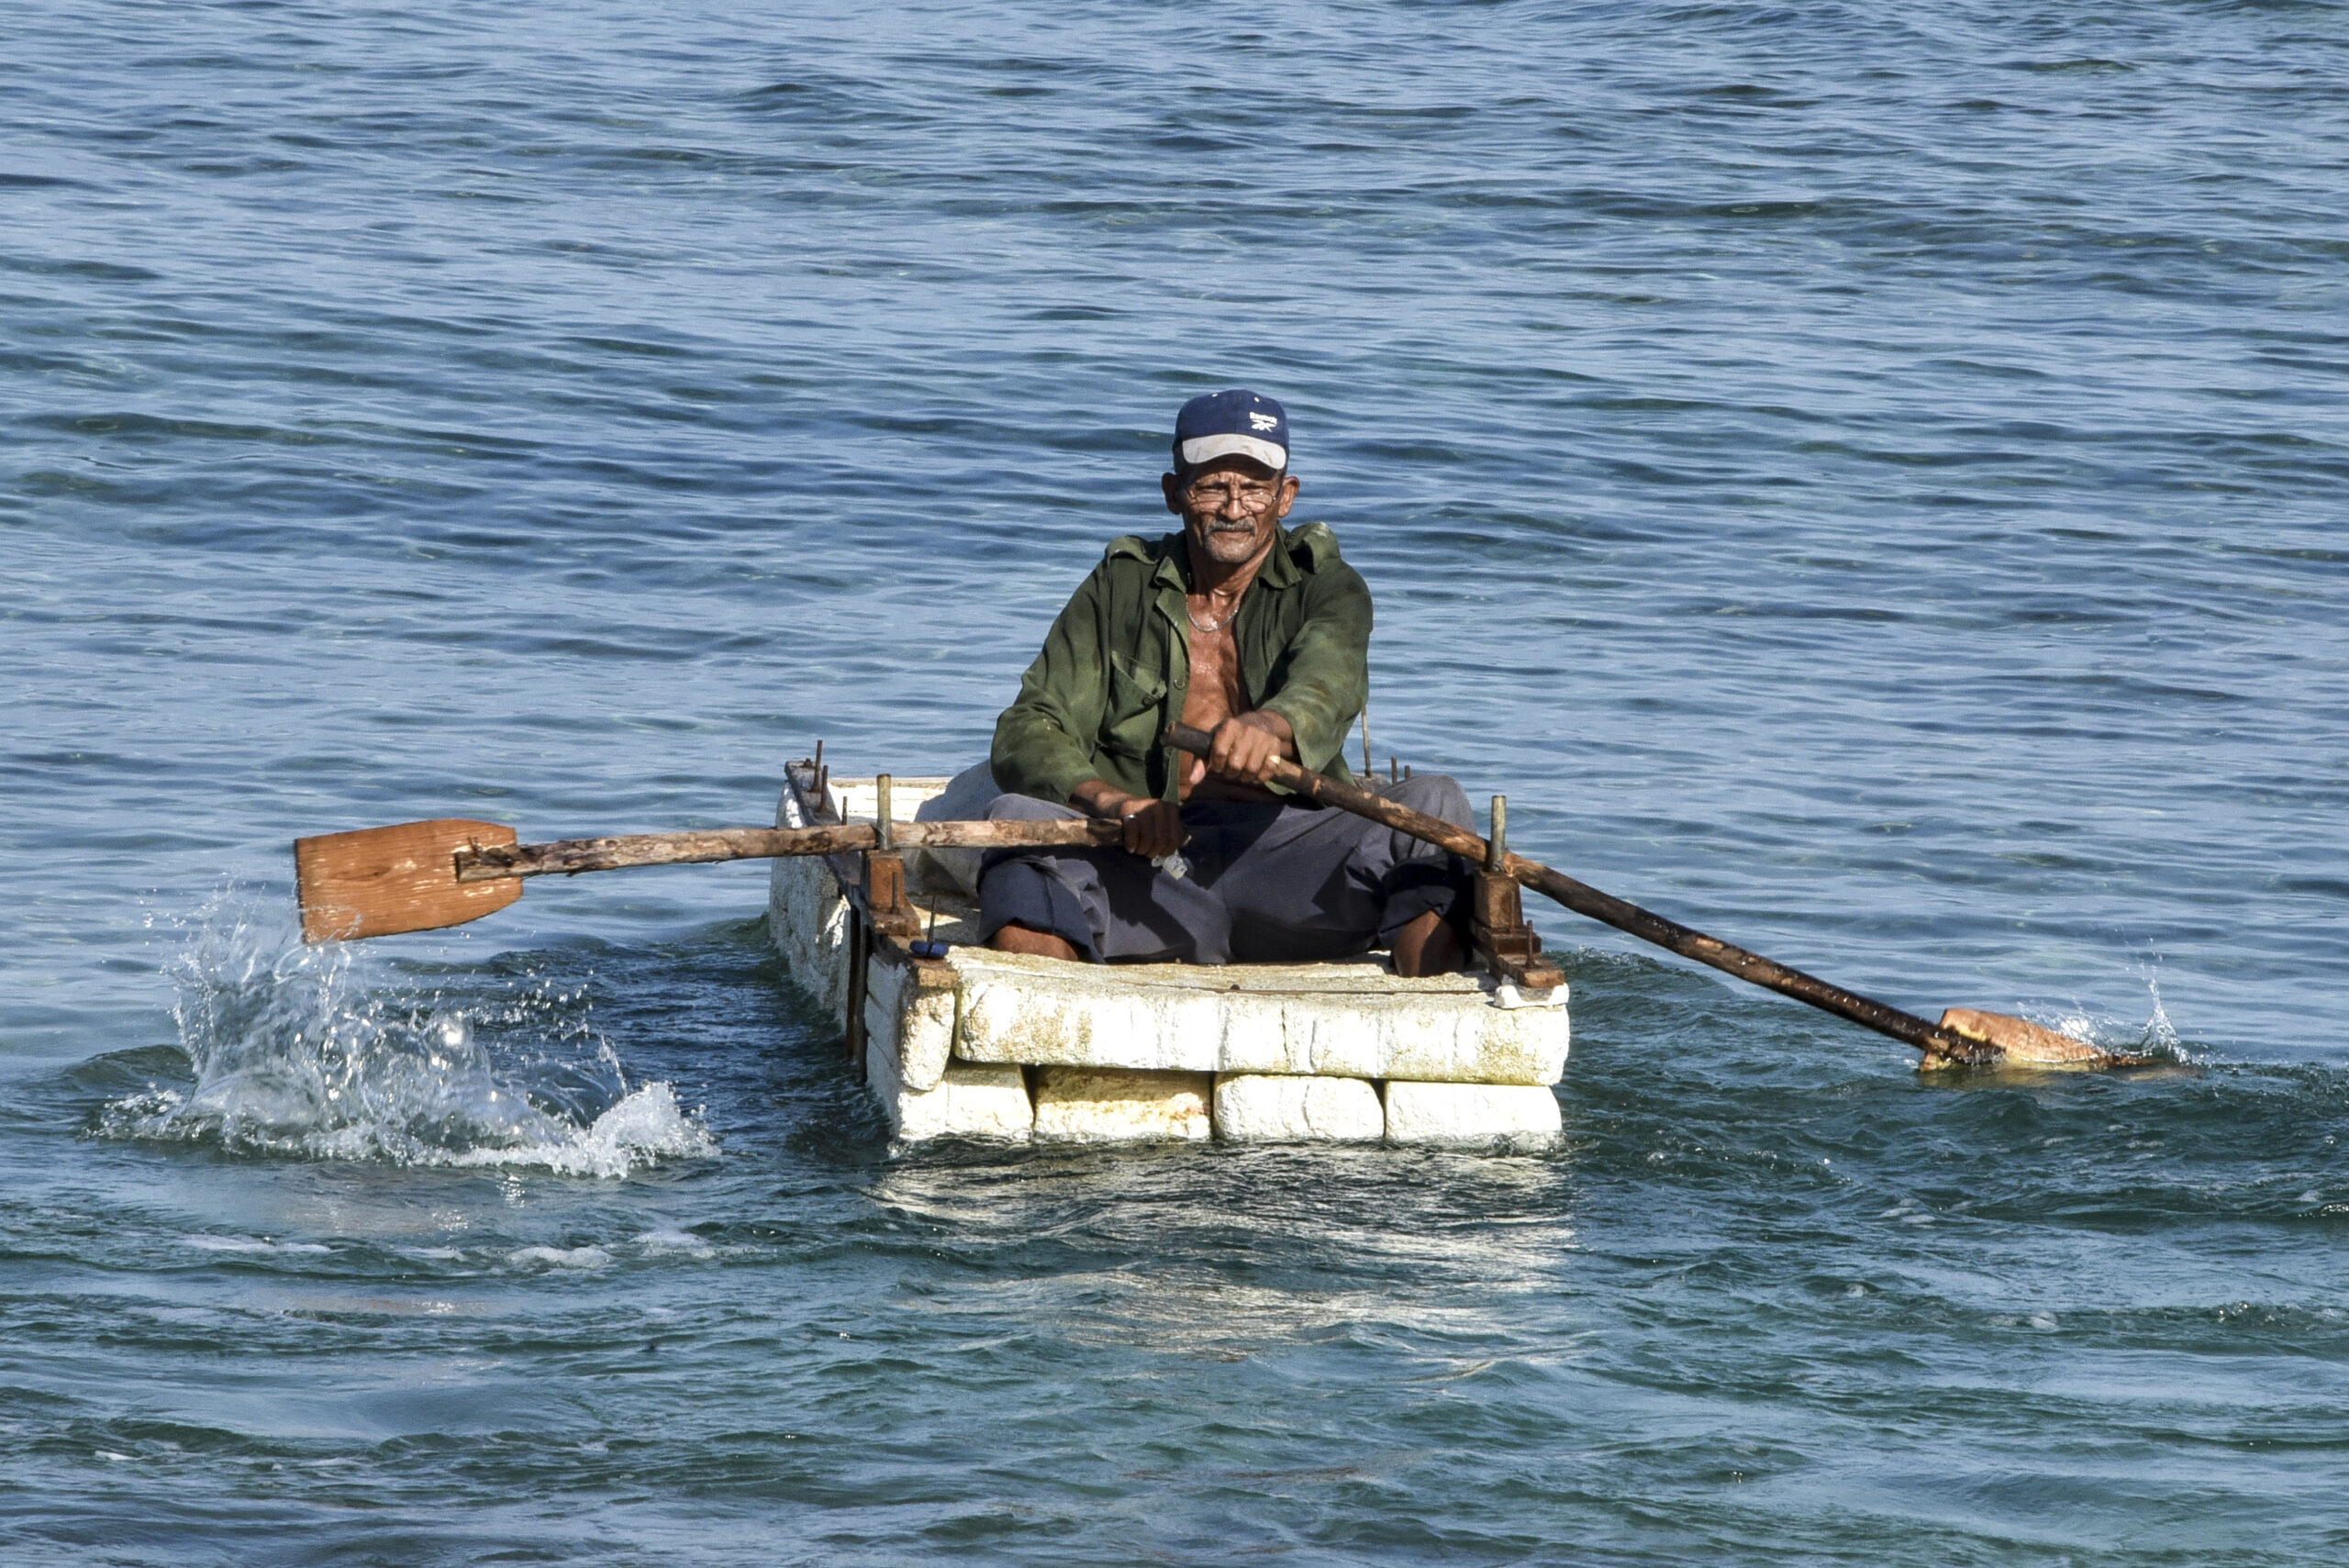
<point>1259,635</point>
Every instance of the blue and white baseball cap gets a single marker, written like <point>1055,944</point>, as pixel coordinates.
<point>1232,424</point>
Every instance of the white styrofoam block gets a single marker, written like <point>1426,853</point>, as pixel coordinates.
<point>1473,1116</point>
<point>1257,1107</point>
<point>926,1033</point>
<point>1352,1021</point>
<point>1068,1020</point>
<point>917,1019</point>
<point>1259,1036</point>
<point>1079,1104</point>
<point>969,1101</point>
<point>808,919</point>
<point>859,800</point>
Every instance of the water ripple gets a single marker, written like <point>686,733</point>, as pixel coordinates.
<point>1863,479</point>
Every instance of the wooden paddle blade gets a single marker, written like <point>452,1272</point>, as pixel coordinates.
<point>2026,1044</point>
<point>378,882</point>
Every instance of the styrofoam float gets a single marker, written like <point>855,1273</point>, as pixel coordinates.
<point>980,1044</point>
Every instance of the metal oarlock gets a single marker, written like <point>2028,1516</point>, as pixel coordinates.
<point>1505,943</point>
<point>891,911</point>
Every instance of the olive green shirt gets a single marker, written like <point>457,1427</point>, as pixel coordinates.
<point>1098,701</point>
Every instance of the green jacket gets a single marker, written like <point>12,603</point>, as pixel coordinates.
<point>1098,700</point>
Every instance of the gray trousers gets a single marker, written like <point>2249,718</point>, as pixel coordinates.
<point>1267,883</point>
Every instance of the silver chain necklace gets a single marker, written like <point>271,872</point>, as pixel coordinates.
<point>1208,626</point>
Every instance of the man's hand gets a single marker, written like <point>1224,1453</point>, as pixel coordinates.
<point>1153,827</point>
<point>1247,745</point>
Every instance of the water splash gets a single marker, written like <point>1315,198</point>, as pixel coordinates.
<point>321,1053</point>
<point>2159,1036</point>
<point>2155,1036</point>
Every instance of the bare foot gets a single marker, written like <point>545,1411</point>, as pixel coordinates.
<point>1026,939</point>
<point>1426,946</point>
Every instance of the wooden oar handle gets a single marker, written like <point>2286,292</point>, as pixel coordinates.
<point>568,857</point>
<point>1584,899</point>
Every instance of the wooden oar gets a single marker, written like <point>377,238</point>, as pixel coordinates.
<point>420,876</point>
<point>1964,1036</point>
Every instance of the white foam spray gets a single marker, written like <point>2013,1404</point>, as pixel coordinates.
<point>316,1052</point>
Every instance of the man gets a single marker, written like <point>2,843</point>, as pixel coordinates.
<point>1259,636</point>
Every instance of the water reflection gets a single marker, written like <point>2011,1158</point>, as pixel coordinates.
<point>1226,1253</point>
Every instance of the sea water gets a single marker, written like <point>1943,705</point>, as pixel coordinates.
<point>1863,480</point>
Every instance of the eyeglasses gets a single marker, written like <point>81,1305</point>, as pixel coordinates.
<point>1216,495</point>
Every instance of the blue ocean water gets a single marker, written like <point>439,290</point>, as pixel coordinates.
<point>1864,480</point>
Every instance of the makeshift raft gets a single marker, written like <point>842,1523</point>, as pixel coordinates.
<point>962,1041</point>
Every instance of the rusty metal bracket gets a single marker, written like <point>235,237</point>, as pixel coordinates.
<point>1506,944</point>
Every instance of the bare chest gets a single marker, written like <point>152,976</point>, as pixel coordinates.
<point>1216,691</point>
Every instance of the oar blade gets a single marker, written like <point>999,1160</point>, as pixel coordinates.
<point>379,881</point>
<point>2025,1044</point>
